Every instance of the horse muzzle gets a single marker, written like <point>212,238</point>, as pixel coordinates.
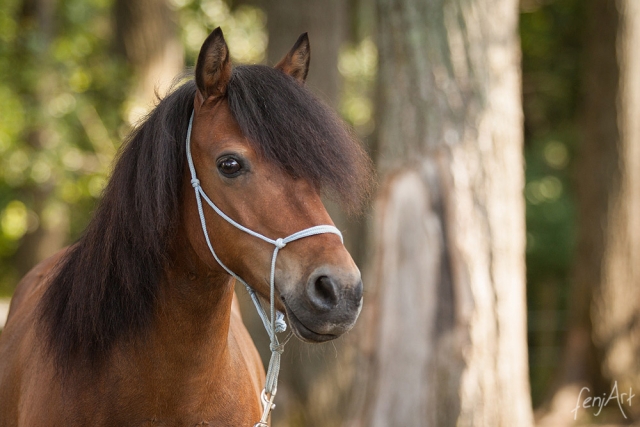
<point>326,307</point>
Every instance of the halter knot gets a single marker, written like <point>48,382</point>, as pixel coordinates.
<point>195,182</point>
<point>277,348</point>
<point>280,243</point>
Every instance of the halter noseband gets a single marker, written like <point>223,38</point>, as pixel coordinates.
<point>275,323</point>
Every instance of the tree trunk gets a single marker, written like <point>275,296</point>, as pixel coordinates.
<point>147,36</point>
<point>602,339</point>
<point>616,313</point>
<point>326,22</point>
<point>37,20</point>
<point>445,304</point>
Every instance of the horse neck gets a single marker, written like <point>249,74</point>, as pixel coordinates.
<point>193,308</point>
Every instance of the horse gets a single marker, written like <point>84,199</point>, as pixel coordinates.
<point>137,323</point>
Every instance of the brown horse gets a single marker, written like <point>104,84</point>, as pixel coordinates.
<point>136,324</point>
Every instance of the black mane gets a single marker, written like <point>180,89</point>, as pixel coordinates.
<point>105,286</point>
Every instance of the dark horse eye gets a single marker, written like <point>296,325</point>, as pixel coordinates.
<point>229,167</point>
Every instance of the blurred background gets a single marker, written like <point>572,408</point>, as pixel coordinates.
<point>500,251</point>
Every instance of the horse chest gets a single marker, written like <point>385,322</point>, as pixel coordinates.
<point>182,405</point>
<point>221,393</point>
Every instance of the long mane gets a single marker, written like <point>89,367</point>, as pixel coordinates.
<point>105,287</point>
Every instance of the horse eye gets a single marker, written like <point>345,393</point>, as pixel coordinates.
<point>229,167</point>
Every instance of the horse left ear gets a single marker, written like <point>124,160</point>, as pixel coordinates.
<point>296,62</point>
<point>213,69</point>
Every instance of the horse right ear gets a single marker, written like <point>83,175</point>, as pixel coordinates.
<point>213,69</point>
<point>296,62</point>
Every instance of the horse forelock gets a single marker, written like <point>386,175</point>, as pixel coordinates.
<point>292,128</point>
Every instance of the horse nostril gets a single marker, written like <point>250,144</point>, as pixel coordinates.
<point>323,293</point>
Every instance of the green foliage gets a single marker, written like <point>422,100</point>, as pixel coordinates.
<point>60,96</point>
<point>244,28</point>
<point>551,35</point>
<point>358,66</point>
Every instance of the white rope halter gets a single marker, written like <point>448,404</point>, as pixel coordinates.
<point>275,323</point>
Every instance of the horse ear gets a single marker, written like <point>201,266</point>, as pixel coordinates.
<point>296,62</point>
<point>213,69</point>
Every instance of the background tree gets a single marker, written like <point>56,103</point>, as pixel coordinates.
<point>445,307</point>
<point>147,35</point>
<point>327,24</point>
<point>617,297</point>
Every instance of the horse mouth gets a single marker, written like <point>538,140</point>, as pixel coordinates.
<point>303,332</point>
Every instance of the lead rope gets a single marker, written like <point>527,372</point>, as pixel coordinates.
<point>275,323</point>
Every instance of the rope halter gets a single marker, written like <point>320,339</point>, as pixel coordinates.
<point>275,323</point>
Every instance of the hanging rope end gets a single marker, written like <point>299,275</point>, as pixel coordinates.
<point>281,324</point>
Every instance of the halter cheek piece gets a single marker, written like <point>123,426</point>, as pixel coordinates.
<point>275,323</point>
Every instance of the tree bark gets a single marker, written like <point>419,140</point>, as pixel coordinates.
<point>445,306</point>
<point>147,36</point>
<point>616,314</point>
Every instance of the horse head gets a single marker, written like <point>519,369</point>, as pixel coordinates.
<point>265,150</point>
